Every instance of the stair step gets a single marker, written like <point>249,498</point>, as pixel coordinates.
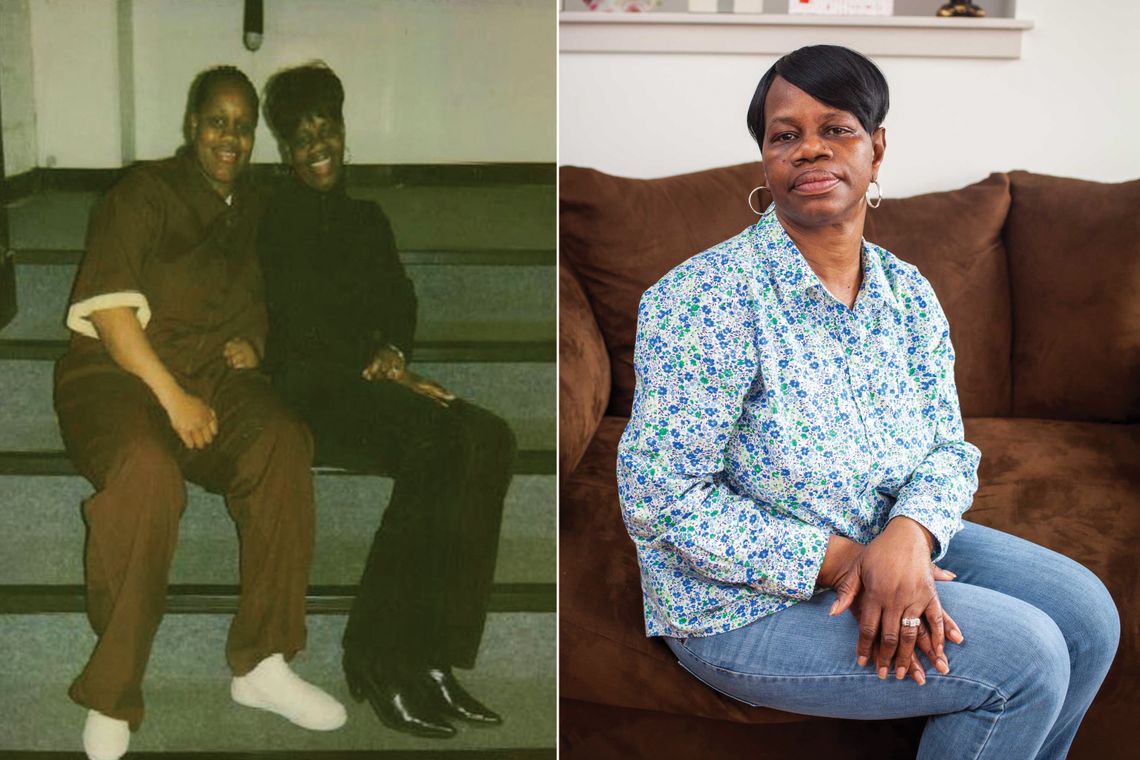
<point>456,302</point>
<point>49,548</point>
<point>198,599</point>
<point>522,393</point>
<point>423,217</point>
<point>527,462</point>
<point>187,690</point>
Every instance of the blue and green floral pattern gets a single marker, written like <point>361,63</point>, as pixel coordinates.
<point>768,415</point>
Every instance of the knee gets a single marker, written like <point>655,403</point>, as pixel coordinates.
<point>443,437</point>
<point>490,435</point>
<point>144,482</point>
<point>285,434</point>
<point>1037,659</point>
<point>1088,618</point>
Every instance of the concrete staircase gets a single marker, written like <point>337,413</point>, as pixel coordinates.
<point>481,252</point>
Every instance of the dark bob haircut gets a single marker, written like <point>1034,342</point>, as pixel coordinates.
<point>302,92</point>
<point>834,75</point>
<point>203,87</point>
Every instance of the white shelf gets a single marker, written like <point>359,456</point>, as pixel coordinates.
<point>776,34</point>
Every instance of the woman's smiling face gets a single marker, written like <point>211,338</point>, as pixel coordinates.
<point>818,159</point>
<point>222,135</point>
<point>316,152</point>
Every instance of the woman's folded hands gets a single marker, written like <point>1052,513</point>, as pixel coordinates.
<point>882,583</point>
<point>388,364</point>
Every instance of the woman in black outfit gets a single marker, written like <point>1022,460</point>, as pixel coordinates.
<point>342,316</point>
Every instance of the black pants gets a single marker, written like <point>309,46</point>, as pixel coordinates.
<point>427,581</point>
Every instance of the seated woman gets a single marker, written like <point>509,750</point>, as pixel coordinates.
<point>147,396</point>
<point>796,450</point>
<point>342,317</point>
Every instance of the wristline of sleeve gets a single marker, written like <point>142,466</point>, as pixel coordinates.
<point>79,314</point>
<point>924,511</point>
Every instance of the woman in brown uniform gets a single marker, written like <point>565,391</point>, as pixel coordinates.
<point>154,390</point>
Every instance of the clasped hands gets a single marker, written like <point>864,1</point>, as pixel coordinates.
<point>389,364</point>
<point>883,582</point>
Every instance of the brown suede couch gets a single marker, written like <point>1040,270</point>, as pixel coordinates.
<point>1040,279</point>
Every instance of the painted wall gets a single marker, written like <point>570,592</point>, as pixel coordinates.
<point>1068,106</point>
<point>427,81</point>
<point>17,105</point>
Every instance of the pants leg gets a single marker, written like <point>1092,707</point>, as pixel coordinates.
<point>492,453</point>
<point>1010,692</point>
<point>120,440</point>
<point>1071,595</point>
<point>424,591</point>
<point>262,460</point>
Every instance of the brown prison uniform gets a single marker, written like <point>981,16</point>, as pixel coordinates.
<point>163,242</point>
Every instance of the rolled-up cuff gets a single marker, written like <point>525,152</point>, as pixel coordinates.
<point>79,315</point>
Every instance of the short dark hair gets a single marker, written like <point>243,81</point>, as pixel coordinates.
<point>301,92</point>
<point>831,74</point>
<point>203,86</point>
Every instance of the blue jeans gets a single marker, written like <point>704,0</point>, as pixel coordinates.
<point>1040,633</point>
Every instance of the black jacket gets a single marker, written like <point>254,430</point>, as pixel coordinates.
<point>334,285</point>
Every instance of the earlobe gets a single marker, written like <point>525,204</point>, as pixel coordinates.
<point>193,124</point>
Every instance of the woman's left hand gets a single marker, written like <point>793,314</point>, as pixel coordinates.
<point>427,387</point>
<point>240,354</point>
<point>895,580</point>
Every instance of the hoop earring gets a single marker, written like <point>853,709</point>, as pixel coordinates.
<point>878,194</point>
<point>754,211</point>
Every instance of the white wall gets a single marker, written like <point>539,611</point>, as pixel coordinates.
<point>16,87</point>
<point>427,81</point>
<point>1069,106</point>
<point>75,55</point>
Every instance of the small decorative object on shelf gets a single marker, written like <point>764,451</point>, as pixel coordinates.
<point>622,5</point>
<point>726,6</point>
<point>842,7</point>
<point>970,10</point>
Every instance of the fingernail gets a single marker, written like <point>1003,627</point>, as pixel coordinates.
<point>900,674</point>
<point>882,674</point>
<point>831,612</point>
<point>862,661</point>
<point>956,636</point>
<point>920,678</point>
<point>943,666</point>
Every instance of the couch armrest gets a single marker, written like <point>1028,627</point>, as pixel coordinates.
<point>583,372</point>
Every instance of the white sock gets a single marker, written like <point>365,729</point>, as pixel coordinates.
<point>273,686</point>
<point>105,738</point>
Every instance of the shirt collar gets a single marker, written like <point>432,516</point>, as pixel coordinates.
<point>794,275</point>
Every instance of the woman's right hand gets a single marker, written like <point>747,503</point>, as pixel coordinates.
<point>192,419</point>
<point>387,364</point>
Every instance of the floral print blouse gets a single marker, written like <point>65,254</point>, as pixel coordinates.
<point>768,415</point>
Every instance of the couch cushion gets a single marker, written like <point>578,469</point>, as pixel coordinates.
<point>955,240</point>
<point>1075,488</point>
<point>1074,250</point>
<point>622,235</point>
